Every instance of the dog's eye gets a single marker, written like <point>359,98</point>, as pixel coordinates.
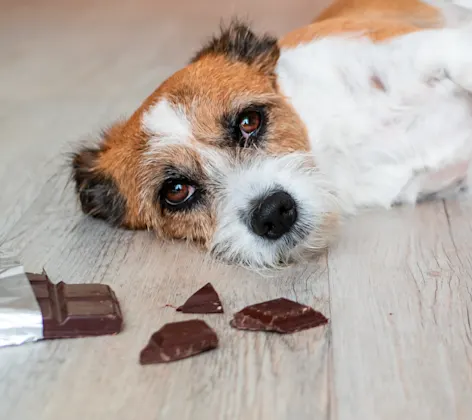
<point>249,122</point>
<point>177,192</point>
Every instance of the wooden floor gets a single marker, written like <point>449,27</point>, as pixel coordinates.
<point>397,287</point>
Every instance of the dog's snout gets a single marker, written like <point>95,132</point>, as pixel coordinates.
<point>274,215</point>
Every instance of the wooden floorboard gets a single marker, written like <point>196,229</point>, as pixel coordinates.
<point>400,301</point>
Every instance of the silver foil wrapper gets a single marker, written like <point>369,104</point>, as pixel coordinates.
<point>20,315</point>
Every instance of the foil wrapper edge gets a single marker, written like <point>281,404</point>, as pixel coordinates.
<point>20,315</point>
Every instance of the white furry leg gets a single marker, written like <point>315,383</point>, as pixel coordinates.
<point>443,183</point>
<point>437,54</point>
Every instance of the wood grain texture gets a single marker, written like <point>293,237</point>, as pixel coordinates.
<point>67,70</point>
<point>401,301</point>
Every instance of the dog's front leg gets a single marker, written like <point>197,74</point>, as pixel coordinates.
<point>435,54</point>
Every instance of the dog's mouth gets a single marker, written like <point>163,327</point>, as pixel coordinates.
<point>306,237</point>
<point>269,253</point>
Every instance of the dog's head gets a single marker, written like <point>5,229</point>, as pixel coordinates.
<point>215,156</point>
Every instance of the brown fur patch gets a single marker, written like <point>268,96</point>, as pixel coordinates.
<point>377,30</point>
<point>114,159</point>
<point>377,19</point>
<point>415,12</point>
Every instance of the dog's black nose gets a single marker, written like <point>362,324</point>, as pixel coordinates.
<point>274,215</point>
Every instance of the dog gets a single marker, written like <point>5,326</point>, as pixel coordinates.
<point>259,148</point>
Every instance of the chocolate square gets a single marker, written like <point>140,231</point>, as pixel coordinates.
<point>76,310</point>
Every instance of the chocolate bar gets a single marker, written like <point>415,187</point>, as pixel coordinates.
<point>203,301</point>
<point>178,340</point>
<point>279,315</point>
<point>76,310</point>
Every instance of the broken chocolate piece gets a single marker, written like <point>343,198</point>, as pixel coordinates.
<point>179,340</point>
<point>76,310</point>
<point>279,315</point>
<point>203,301</point>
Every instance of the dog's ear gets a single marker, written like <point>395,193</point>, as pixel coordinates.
<point>97,191</point>
<point>238,42</point>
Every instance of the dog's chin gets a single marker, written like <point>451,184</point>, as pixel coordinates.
<point>266,255</point>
